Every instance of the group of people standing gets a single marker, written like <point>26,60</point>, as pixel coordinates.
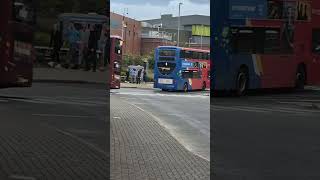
<point>83,40</point>
<point>136,75</point>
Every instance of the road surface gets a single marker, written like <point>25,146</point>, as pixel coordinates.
<point>159,135</point>
<point>54,131</point>
<point>267,136</point>
<point>186,116</point>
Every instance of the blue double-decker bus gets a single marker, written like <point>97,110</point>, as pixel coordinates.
<point>181,69</point>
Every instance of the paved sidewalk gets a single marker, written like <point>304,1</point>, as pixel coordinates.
<point>140,86</point>
<point>25,155</point>
<point>69,75</point>
<point>141,149</point>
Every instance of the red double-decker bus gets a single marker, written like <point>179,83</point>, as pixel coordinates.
<point>17,20</point>
<point>114,67</point>
<point>261,44</point>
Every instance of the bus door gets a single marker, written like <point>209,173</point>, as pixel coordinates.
<point>193,76</point>
<point>205,74</point>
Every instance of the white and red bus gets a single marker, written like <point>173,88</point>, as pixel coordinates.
<point>114,66</point>
<point>178,68</point>
<point>17,21</point>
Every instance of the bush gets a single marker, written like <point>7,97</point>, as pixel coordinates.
<point>41,39</point>
<point>123,73</point>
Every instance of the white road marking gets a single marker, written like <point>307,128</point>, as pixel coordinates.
<point>60,100</point>
<point>165,95</point>
<point>265,110</point>
<point>238,109</point>
<point>18,177</point>
<point>137,103</point>
<point>62,115</point>
<point>66,102</point>
<point>33,101</point>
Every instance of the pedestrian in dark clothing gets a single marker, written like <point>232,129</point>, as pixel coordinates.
<point>127,73</point>
<point>56,43</point>
<point>139,76</point>
<point>93,46</point>
<point>144,76</point>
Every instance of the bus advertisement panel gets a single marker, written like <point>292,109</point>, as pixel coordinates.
<point>254,51</point>
<point>17,20</point>
<point>179,68</point>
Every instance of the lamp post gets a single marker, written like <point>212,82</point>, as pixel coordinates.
<point>190,39</point>
<point>124,32</point>
<point>178,40</point>
<point>202,27</point>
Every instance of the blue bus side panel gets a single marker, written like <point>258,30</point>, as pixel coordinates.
<point>225,65</point>
<point>242,9</point>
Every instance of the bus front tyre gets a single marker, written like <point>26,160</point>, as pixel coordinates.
<point>185,87</point>
<point>242,82</point>
<point>300,78</point>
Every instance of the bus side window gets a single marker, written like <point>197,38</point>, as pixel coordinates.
<point>194,55</point>
<point>243,41</point>
<point>271,41</point>
<point>183,54</point>
<point>201,55</point>
<point>316,41</point>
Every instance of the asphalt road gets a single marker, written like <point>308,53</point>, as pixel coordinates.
<point>77,109</point>
<point>266,136</point>
<point>186,116</point>
<point>74,114</point>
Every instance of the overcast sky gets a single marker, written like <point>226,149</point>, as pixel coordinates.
<point>151,9</point>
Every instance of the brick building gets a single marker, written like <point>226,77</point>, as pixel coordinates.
<point>141,38</point>
<point>130,30</point>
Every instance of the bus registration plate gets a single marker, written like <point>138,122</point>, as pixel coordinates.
<point>165,81</point>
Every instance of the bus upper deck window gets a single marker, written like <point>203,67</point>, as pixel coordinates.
<point>24,11</point>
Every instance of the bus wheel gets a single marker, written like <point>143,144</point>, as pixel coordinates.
<point>242,82</point>
<point>204,86</point>
<point>300,78</point>
<point>185,87</point>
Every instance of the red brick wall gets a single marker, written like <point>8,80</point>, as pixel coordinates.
<point>198,46</point>
<point>149,44</point>
<point>132,35</point>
